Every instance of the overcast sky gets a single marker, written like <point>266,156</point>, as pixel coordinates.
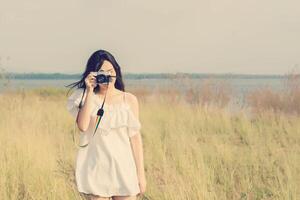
<point>202,36</point>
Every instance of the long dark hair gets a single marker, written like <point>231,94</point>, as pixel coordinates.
<point>94,64</point>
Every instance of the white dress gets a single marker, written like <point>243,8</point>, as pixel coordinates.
<point>106,166</point>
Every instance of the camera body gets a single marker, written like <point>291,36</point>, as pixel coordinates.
<point>103,77</point>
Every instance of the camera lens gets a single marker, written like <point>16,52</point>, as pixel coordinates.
<point>101,78</point>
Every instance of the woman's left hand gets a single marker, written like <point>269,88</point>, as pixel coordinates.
<point>142,184</point>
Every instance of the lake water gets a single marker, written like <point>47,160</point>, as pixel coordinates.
<point>239,86</point>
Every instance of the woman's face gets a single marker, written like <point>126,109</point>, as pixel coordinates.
<point>108,68</point>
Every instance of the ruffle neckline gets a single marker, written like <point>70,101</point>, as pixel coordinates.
<point>116,116</point>
<point>99,102</point>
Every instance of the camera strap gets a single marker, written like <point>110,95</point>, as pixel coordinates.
<point>99,114</point>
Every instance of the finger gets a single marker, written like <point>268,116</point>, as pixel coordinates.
<point>94,82</point>
<point>87,78</point>
<point>91,78</point>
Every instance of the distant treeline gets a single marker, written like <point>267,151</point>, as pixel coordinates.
<point>140,76</point>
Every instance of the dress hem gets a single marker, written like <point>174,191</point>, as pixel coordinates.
<point>110,195</point>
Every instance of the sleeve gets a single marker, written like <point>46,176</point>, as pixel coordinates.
<point>73,102</point>
<point>134,125</point>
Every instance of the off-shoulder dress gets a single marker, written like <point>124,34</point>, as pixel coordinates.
<point>106,166</point>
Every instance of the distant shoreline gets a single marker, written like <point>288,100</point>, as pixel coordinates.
<point>146,76</point>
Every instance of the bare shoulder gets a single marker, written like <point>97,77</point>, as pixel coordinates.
<point>132,101</point>
<point>131,98</point>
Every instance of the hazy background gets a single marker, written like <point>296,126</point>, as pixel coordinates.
<point>203,36</point>
<point>206,136</point>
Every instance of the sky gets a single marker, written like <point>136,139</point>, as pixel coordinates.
<point>192,36</point>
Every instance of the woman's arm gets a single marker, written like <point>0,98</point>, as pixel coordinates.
<point>137,147</point>
<point>84,114</point>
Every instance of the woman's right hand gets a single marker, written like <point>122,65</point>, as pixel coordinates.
<point>90,81</point>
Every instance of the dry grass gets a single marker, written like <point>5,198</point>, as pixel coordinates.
<point>212,92</point>
<point>285,101</point>
<point>33,139</point>
<point>191,151</point>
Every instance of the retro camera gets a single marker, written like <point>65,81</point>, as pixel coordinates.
<point>103,77</point>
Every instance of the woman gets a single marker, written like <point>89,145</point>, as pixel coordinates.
<point>110,163</point>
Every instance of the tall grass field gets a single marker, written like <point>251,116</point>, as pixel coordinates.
<point>192,151</point>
